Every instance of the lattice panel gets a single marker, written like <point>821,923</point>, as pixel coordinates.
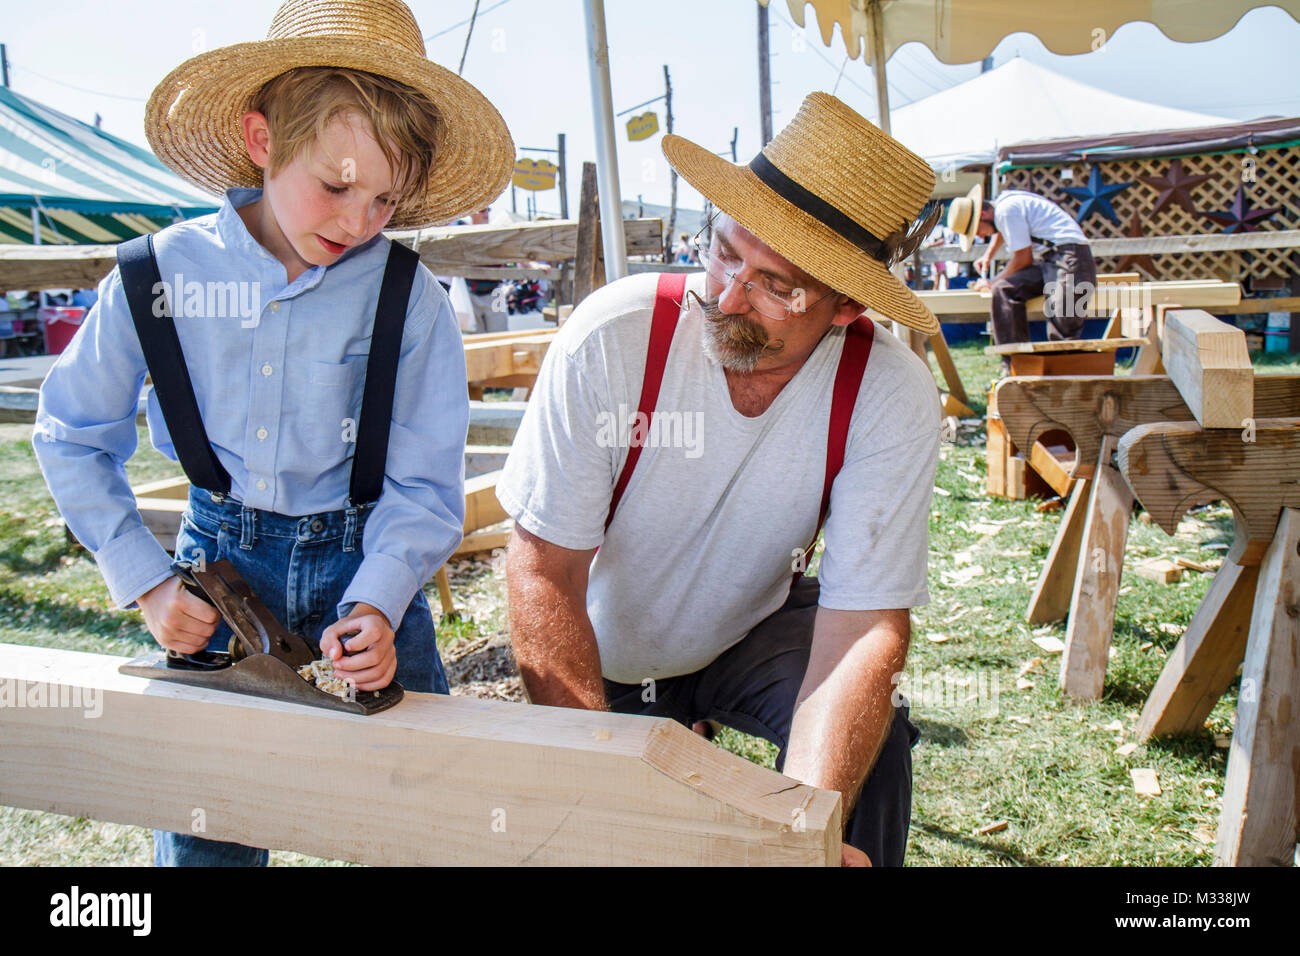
<point>1276,183</point>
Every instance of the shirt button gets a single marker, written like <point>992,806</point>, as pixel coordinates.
<point>261,484</point>
<point>266,369</point>
<point>275,306</point>
<point>262,433</point>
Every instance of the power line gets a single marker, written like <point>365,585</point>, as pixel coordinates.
<point>79,89</point>
<point>457,26</point>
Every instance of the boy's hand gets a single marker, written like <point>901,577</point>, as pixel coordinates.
<point>371,658</point>
<point>177,619</point>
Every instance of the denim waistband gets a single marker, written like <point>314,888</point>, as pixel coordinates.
<point>212,513</point>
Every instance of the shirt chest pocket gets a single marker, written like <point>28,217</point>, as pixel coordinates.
<point>334,407</point>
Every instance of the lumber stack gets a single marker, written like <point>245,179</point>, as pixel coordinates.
<point>436,780</point>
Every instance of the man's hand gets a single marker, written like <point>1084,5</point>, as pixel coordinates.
<point>177,619</point>
<point>852,856</point>
<point>370,660</point>
<point>984,263</point>
<point>980,285</point>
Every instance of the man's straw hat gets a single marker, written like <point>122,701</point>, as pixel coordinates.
<point>964,215</point>
<point>834,195</point>
<point>192,120</point>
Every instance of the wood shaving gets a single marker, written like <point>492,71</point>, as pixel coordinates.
<point>320,673</point>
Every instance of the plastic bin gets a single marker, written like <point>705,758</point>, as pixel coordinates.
<point>60,324</point>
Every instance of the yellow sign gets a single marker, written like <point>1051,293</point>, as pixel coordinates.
<point>534,174</point>
<point>643,126</point>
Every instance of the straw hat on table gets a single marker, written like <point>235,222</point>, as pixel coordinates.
<point>834,195</point>
<point>192,120</point>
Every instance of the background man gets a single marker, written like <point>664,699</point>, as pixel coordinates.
<point>1065,272</point>
<point>689,610</point>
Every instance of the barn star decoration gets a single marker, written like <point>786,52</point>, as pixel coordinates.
<point>1239,217</point>
<point>1134,230</point>
<point>1095,197</point>
<point>1175,186</point>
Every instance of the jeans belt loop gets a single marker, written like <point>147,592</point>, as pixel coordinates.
<point>350,527</point>
<point>247,519</point>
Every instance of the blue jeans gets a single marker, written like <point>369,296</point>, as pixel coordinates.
<point>300,568</point>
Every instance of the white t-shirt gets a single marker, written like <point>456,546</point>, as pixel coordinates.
<point>1023,216</point>
<point>700,549</point>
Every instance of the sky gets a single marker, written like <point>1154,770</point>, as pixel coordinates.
<point>529,58</point>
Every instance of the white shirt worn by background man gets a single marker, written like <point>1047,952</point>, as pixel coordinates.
<point>700,549</point>
<point>1023,217</point>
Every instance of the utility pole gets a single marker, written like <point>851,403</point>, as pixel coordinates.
<point>764,77</point>
<point>564,183</point>
<point>672,173</point>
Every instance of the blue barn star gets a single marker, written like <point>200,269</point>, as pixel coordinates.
<point>1095,196</point>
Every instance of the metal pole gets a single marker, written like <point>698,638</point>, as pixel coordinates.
<point>36,227</point>
<point>564,182</point>
<point>672,175</point>
<point>4,65</point>
<point>764,78</point>
<point>602,101</point>
<point>878,65</point>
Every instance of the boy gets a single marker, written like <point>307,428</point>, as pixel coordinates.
<point>273,366</point>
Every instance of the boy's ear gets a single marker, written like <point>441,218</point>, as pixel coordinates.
<point>257,138</point>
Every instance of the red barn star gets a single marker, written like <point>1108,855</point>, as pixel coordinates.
<point>1239,217</point>
<point>1174,186</point>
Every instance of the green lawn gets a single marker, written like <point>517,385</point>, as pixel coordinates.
<point>990,751</point>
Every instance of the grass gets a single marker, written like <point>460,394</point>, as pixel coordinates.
<point>989,750</point>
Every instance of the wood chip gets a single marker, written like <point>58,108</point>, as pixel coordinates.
<point>1125,749</point>
<point>1222,741</point>
<point>963,576</point>
<point>1145,782</point>
<point>1114,727</point>
<point>1051,504</point>
<point>1160,570</point>
<point>995,827</point>
<point>1022,684</point>
<point>937,638</point>
<point>1029,665</point>
<point>942,491</point>
<point>1018,719</point>
<point>1175,629</point>
<point>1191,565</point>
<point>1052,645</point>
<point>983,527</point>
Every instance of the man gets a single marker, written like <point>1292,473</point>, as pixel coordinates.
<point>703,510</point>
<point>1065,273</point>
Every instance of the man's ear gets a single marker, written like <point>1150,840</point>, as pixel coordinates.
<point>257,138</point>
<point>847,311</point>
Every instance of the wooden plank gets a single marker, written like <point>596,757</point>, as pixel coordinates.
<point>589,267</point>
<point>1063,363</point>
<point>1160,570</point>
<point>1063,345</point>
<point>481,505</point>
<point>165,488</point>
<point>1096,583</point>
<point>950,375</point>
<point>505,357</point>
<point>1261,798</point>
<point>1052,594</point>
<point>1204,663</point>
<point>444,591</point>
<point>1191,293</point>
<point>1209,362</point>
<point>996,453</point>
<point>1089,407</point>
<point>1052,469</point>
<point>1255,306</point>
<point>1173,466</point>
<point>436,780</point>
<point>1148,245</point>
<point>483,541</point>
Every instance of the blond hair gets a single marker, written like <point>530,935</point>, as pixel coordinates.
<point>300,104</point>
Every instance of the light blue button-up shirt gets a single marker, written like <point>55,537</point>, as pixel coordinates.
<point>278,369</point>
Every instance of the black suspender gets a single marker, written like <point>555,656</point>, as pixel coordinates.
<point>371,452</point>
<point>156,329</point>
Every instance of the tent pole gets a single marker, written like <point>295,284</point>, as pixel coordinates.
<point>36,227</point>
<point>602,101</point>
<point>878,66</point>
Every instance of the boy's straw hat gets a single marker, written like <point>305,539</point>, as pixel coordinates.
<point>192,120</point>
<point>834,195</point>
<point>964,215</point>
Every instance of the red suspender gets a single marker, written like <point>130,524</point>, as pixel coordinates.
<point>858,338</point>
<point>668,306</point>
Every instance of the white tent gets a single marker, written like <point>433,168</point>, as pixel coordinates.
<point>1018,102</point>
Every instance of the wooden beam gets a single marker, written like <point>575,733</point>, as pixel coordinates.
<point>1090,407</point>
<point>481,505</point>
<point>589,267</point>
<point>1096,583</point>
<point>1064,345</point>
<point>1189,293</point>
<point>499,358</point>
<point>436,780</point>
<point>1051,598</point>
<point>1053,470</point>
<point>1204,663</point>
<point>1173,466</point>
<point>1261,797</point>
<point>1209,362</point>
<point>951,377</point>
<point>1149,245</point>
